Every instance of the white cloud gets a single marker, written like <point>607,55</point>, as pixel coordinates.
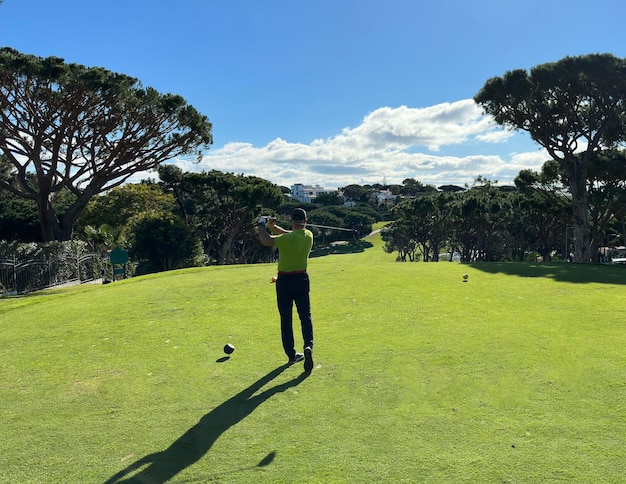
<point>390,144</point>
<point>432,127</point>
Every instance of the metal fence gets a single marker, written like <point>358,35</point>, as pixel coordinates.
<point>22,276</point>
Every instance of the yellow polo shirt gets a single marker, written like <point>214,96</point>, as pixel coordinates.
<point>293,250</point>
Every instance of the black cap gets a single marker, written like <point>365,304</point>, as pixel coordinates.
<point>298,214</point>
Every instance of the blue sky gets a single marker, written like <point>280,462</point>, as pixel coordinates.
<point>330,92</point>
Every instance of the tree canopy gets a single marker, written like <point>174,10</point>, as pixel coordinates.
<point>574,108</point>
<point>220,207</point>
<point>86,130</point>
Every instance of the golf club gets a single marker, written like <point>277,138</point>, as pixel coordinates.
<point>330,227</point>
<point>355,232</point>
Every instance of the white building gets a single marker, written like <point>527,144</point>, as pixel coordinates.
<point>384,197</point>
<point>308,193</point>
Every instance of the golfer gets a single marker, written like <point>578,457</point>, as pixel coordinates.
<point>292,284</point>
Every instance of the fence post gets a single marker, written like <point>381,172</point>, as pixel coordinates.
<point>15,272</point>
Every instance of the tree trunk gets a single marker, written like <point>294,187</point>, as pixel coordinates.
<point>59,227</point>
<point>226,250</point>
<point>50,227</point>
<point>576,172</point>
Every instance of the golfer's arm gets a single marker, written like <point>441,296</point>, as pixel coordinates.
<point>277,229</point>
<point>265,237</point>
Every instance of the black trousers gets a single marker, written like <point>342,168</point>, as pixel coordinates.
<point>292,288</point>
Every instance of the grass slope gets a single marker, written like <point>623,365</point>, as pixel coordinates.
<point>517,375</point>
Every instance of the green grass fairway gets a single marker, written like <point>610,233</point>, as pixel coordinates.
<point>517,375</point>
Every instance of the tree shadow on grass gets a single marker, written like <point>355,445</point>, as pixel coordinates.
<point>198,440</point>
<point>562,271</point>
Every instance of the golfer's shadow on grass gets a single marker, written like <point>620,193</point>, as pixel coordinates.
<point>190,447</point>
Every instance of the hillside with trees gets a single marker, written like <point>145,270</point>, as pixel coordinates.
<point>71,136</point>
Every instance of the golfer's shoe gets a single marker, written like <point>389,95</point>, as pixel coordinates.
<point>296,358</point>
<point>308,359</point>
